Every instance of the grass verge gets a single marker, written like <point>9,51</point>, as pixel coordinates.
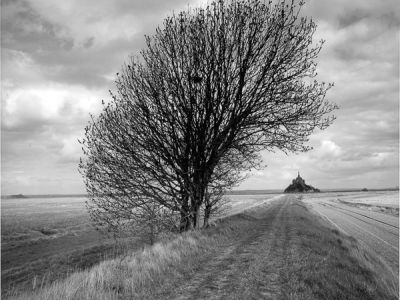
<point>326,264</point>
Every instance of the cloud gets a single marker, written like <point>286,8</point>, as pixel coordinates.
<point>79,42</point>
<point>40,130</point>
<point>343,13</point>
<point>53,104</point>
<point>71,150</point>
<point>60,59</point>
<point>328,151</point>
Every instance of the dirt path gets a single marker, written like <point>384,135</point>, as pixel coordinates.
<point>248,268</point>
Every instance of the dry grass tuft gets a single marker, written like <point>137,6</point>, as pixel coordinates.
<point>134,275</point>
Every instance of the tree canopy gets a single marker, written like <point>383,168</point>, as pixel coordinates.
<point>212,88</point>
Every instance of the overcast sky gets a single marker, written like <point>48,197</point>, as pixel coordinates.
<point>59,59</point>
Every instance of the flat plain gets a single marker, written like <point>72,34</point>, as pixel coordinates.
<point>44,239</point>
<point>372,218</point>
<point>47,239</point>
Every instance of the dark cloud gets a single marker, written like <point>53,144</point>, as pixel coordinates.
<point>386,17</point>
<point>72,48</point>
<point>88,42</point>
<point>349,18</point>
<point>91,67</point>
<point>25,30</point>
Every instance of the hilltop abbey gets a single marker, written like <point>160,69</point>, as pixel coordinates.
<point>299,186</point>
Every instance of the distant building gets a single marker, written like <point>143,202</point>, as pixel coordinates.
<point>299,186</point>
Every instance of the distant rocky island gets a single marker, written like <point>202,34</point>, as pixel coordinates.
<point>299,186</point>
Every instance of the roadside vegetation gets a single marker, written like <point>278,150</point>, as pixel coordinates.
<point>253,254</point>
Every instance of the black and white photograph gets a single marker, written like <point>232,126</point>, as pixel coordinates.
<point>200,149</point>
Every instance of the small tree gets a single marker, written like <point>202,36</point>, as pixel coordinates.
<point>212,88</point>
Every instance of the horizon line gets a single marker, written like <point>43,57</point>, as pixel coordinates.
<point>231,191</point>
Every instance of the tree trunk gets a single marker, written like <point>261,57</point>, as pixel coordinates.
<point>196,202</point>
<point>185,222</point>
<point>197,225</point>
<point>207,208</point>
<point>151,232</point>
<point>207,213</point>
<point>195,217</point>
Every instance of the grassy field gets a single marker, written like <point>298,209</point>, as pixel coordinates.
<point>45,239</point>
<point>380,201</point>
<point>278,249</point>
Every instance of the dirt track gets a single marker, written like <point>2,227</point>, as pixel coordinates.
<point>248,268</point>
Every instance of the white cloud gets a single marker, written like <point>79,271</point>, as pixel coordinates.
<point>71,149</point>
<point>103,20</point>
<point>328,150</point>
<point>52,103</point>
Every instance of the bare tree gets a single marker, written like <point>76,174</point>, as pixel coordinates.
<point>212,88</point>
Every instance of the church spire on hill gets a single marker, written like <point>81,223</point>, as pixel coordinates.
<point>299,186</point>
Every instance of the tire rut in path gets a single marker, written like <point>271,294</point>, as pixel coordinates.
<point>242,264</point>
